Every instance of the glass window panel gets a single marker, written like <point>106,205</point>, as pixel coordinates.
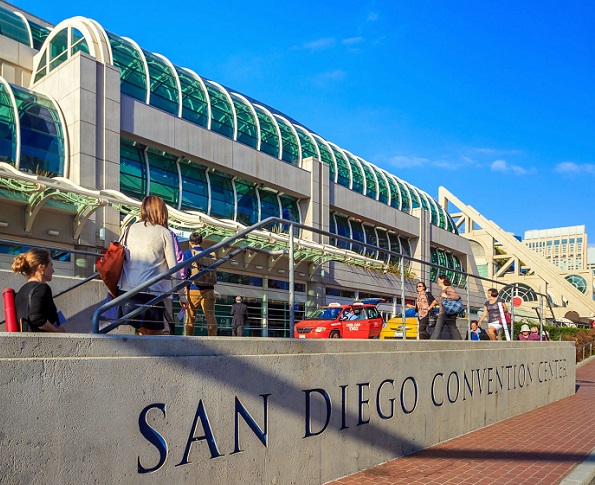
<point>371,184</point>
<point>42,68</point>
<point>222,196</point>
<point>343,172</point>
<point>163,87</point>
<point>194,99</point>
<point>382,186</point>
<point>395,193</point>
<point>133,77</point>
<point>578,282</point>
<point>221,111</point>
<point>372,239</point>
<point>42,136</point>
<point>290,211</point>
<point>434,269</point>
<point>405,200</point>
<point>39,34</point>
<point>308,146</point>
<point>416,200</point>
<point>269,206</point>
<point>357,174</point>
<point>247,128</point>
<point>450,264</point>
<point>405,246</point>
<point>441,261</point>
<point>457,278</point>
<point>441,217</point>
<point>8,128</point>
<point>344,230</point>
<point>327,157</point>
<point>58,49</point>
<point>247,202</point>
<point>332,228</point>
<point>395,247</point>
<point>383,243</point>
<point>357,234</point>
<point>195,190</point>
<point>269,138</point>
<point>291,152</point>
<point>133,170</point>
<point>79,44</point>
<point>451,224</point>
<point>13,27</point>
<point>164,176</point>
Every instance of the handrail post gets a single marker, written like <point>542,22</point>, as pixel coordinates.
<point>291,282</point>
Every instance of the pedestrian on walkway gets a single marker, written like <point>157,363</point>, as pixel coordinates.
<point>450,320</point>
<point>491,312</point>
<point>424,304</point>
<point>239,312</point>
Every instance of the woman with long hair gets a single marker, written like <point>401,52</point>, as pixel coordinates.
<point>423,306</point>
<point>491,312</point>
<point>446,292</point>
<point>149,252</point>
<point>34,302</point>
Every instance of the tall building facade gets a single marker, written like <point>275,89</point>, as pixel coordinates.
<point>564,247</point>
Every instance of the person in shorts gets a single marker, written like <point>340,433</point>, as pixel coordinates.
<point>491,312</point>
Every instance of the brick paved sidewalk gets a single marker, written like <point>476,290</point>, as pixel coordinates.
<point>539,447</point>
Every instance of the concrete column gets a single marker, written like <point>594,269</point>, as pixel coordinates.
<point>315,211</point>
<point>422,248</point>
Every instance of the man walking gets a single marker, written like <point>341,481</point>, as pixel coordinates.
<point>239,312</point>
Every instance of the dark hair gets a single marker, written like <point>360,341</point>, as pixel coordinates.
<point>27,263</point>
<point>421,283</point>
<point>445,280</point>
<point>195,238</point>
<point>493,292</point>
<point>154,211</point>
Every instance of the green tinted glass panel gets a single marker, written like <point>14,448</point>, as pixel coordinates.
<point>371,184</point>
<point>8,129</point>
<point>163,87</point>
<point>405,200</point>
<point>441,261</point>
<point>578,282</point>
<point>456,279</point>
<point>332,228</point>
<point>58,49</point>
<point>194,99</point>
<point>42,68</point>
<point>79,44</point>
<point>344,230</point>
<point>462,281</point>
<point>442,220</point>
<point>133,170</point>
<point>395,193</point>
<point>432,207</point>
<point>247,202</point>
<point>269,206</point>
<point>372,239</point>
<point>39,34</point>
<point>164,176</point>
<point>357,174</point>
<point>451,224</point>
<point>247,129</point>
<point>195,190</point>
<point>291,152</point>
<point>343,173</point>
<point>327,157</point>
<point>308,146</point>
<point>416,200</point>
<point>290,211</point>
<point>357,234</point>
<point>133,78</point>
<point>13,27</point>
<point>221,111</point>
<point>395,246</point>
<point>434,269</point>
<point>269,138</point>
<point>383,243</point>
<point>450,264</point>
<point>382,186</point>
<point>222,197</point>
<point>42,136</point>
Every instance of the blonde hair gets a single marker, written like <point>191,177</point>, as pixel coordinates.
<point>27,263</point>
<point>154,211</point>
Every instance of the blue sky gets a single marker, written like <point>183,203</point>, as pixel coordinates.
<point>493,100</point>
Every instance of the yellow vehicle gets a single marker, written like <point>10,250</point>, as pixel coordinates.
<point>394,327</point>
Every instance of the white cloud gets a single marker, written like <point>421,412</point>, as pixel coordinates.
<point>571,168</point>
<point>324,79</point>
<point>319,44</point>
<point>403,161</point>
<point>504,166</point>
<point>352,41</point>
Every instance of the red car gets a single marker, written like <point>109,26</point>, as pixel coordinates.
<point>357,320</point>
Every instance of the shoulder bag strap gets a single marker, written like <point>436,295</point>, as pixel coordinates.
<point>503,318</point>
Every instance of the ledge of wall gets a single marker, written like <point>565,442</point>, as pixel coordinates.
<point>182,410</point>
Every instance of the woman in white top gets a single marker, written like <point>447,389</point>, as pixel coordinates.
<point>149,252</point>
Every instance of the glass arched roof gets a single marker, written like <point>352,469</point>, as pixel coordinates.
<point>31,132</point>
<point>15,26</point>
<point>578,282</point>
<point>153,79</point>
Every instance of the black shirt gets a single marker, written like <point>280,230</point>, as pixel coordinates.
<point>42,308</point>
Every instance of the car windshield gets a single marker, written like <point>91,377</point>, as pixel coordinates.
<point>325,314</point>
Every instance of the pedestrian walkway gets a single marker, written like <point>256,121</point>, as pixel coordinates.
<point>543,446</point>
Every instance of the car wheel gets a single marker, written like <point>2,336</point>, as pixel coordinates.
<point>334,334</point>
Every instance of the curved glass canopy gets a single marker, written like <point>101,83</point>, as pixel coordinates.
<point>578,282</point>
<point>153,79</point>
<point>15,26</point>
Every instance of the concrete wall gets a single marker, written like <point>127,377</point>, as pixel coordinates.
<point>154,410</point>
